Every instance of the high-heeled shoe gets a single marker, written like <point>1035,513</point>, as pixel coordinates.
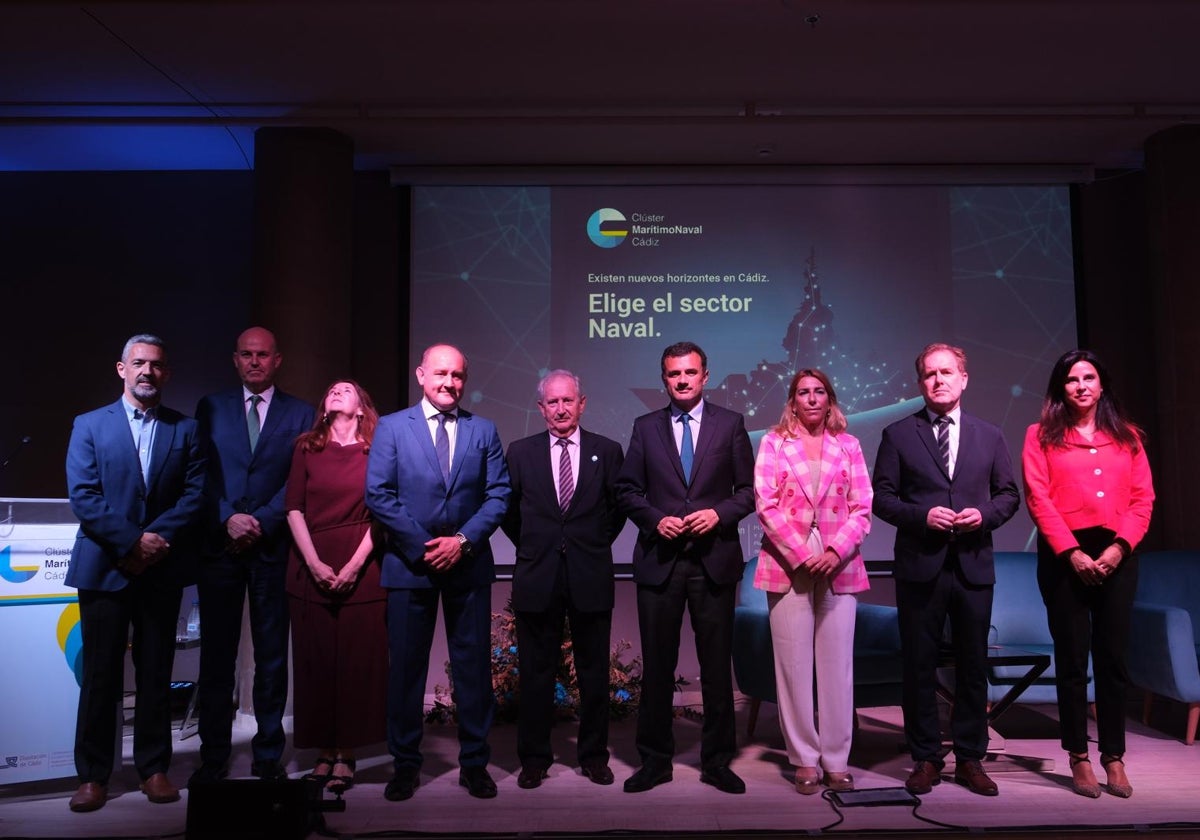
<point>1118,782</point>
<point>322,768</point>
<point>808,780</point>
<point>1083,780</point>
<point>339,783</point>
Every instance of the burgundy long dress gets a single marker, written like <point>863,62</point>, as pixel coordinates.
<point>339,642</point>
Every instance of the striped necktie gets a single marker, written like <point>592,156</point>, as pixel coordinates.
<point>566,481</point>
<point>942,425</point>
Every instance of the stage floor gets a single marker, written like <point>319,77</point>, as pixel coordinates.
<point>1035,795</point>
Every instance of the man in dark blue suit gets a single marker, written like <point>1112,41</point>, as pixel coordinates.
<point>250,432</point>
<point>686,482</point>
<point>944,479</point>
<point>438,484</point>
<point>135,477</point>
<point>563,518</point>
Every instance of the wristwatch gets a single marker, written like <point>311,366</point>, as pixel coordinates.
<point>464,544</point>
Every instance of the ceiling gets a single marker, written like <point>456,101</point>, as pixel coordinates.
<point>598,83</point>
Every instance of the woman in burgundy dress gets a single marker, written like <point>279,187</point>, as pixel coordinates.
<point>339,643</point>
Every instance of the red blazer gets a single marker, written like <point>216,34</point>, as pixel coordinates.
<point>1086,484</point>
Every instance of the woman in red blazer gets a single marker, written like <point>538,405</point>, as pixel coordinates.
<point>1089,492</point>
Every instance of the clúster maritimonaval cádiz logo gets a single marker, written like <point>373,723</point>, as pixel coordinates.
<point>11,573</point>
<point>607,227</point>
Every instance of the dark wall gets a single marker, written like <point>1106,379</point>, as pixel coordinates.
<point>89,259</point>
<point>1116,306</point>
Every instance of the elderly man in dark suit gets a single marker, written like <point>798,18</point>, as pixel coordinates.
<point>686,482</point>
<point>135,477</point>
<point>944,479</point>
<point>250,431</point>
<point>438,484</point>
<point>562,518</point>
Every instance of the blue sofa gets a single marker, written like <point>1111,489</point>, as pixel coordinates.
<point>877,669</point>
<point>1165,636</point>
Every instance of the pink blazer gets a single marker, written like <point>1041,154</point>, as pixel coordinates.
<point>787,509</point>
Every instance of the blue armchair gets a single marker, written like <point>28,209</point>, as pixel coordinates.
<point>1164,642</point>
<point>877,669</point>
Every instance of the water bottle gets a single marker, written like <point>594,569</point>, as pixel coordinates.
<point>193,621</point>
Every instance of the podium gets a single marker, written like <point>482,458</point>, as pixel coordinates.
<point>39,622</point>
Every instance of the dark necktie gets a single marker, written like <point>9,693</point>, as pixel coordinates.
<point>566,482</point>
<point>253,423</point>
<point>685,448</point>
<point>942,425</point>
<point>441,445</point>
<point>143,442</point>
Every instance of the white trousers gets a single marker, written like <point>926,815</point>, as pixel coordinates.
<point>812,630</point>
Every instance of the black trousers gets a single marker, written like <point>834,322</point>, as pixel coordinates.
<point>660,616</point>
<point>539,648</point>
<point>105,618</point>
<point>924,607</point>
<point>1089,619</point>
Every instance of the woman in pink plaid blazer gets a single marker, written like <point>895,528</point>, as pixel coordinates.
<point>812,491</point>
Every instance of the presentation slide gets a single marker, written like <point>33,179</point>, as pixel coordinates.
<point>853,280</point>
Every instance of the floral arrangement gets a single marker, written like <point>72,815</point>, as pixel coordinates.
<point>624,677</point>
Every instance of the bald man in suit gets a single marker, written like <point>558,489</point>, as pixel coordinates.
<point>250,430</point>
<point>438,485</point>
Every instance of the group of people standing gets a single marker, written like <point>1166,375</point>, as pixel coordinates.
<point>351,529</point>
<point>944,479</point>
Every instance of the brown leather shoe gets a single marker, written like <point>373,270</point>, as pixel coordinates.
<point>970,775</point>
<point>924,775</point>
<point>808,780</point>
<point>91,796</point>
<point>159,790</point>
<point>842,781</point>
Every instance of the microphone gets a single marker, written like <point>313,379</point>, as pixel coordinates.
<point>24,440</point>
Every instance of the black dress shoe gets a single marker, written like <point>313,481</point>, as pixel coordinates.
<point>648,776</point>
<point>531,777</point>
<point>477,781</point>
<point>598,772</point>
<point>723,779</point>
<point>924,775</point>
<point>207,774</point>
<point>269,770</point>
<point>402,785</point>
<point>970,774</point>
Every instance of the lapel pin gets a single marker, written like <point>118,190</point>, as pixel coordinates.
<point>594,459</point>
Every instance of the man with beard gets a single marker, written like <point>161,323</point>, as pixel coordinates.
<point>135,478</point>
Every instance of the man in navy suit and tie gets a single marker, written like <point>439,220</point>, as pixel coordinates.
<point>686,482</point>
<point>944,479</point>
<point>135,478</point>
<point>438,484</point>
<point>250,431</point>
<point>563,518</point>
